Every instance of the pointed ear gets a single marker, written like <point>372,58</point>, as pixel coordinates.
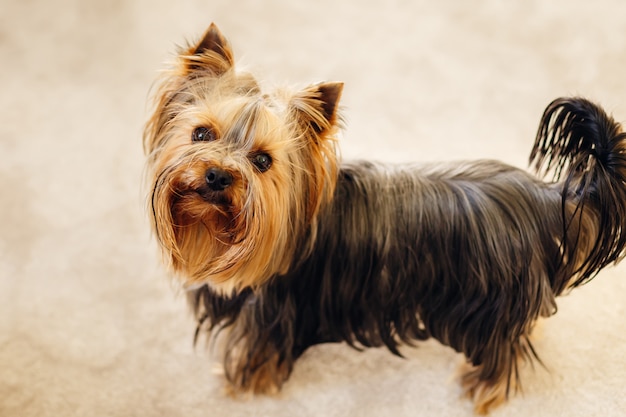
<point>330,93</point>
<point>212,53</point>
<point>317,106</point>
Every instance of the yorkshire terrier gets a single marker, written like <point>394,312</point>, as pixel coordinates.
<point>284,246</point>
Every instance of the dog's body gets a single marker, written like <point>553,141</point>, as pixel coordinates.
<point>286,247</point>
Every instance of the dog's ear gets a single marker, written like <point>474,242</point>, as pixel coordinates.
<point>330,93</point>
<point>316,107</point>
<point>212,53</point>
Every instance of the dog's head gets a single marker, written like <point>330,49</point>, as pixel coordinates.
<point>237,174</point>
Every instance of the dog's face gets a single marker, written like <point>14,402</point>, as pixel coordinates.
<point>236,174</point>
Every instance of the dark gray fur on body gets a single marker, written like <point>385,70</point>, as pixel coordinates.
<point>469,253</point>
<point>410,252</point>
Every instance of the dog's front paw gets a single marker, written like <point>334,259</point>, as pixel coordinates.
<point>260,374</point>
<point>486,394</point>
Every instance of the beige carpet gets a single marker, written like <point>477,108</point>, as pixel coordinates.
<point>89,323</point>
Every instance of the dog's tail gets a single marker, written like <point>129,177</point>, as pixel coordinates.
<point>585,149</point>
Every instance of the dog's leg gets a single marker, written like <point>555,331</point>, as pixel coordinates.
<point>490,383</point>
<point>256,370</point>
<point>486,393</point>
<point>259,350</point>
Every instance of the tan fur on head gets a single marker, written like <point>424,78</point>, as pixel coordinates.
<point>239,236</point>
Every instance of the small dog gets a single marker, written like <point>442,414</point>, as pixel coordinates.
<point>285,246</point>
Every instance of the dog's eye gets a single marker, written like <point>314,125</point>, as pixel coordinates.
<point>203,134</point>
<point>262,161</point>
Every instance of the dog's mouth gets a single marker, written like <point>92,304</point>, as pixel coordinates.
<point>214,210</point>
<point>201,202</point>
<point>218,198</point>
<point>196,193</point>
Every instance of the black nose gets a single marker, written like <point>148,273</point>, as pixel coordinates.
<point>217,179</point>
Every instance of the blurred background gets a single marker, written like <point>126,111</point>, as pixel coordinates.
<point>89,322</point>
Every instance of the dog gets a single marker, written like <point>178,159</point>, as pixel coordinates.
<point>282,246</point>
